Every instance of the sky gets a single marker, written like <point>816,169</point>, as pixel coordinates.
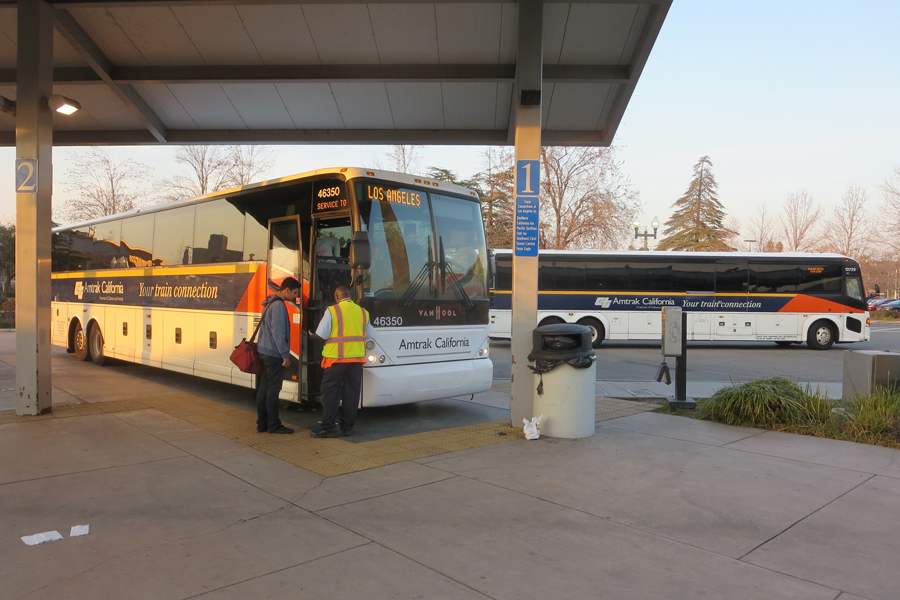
<point>782,95</point>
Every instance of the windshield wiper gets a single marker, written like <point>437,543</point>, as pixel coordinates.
<point>446,267</point>
<point>419,281</point>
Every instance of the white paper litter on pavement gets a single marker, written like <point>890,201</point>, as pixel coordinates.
<point>40,538</point>
<point>79,530</point>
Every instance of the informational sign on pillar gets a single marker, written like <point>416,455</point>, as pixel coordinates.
<point>526,242</point>
<point>528,173</point>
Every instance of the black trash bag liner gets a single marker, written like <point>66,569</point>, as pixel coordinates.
<point>559,342</point>
<point>544,365</point>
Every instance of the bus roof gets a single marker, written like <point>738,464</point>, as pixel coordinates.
<point>662,254</point>
<point>345,172</point>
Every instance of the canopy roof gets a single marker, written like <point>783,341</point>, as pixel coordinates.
<point>392,72</point>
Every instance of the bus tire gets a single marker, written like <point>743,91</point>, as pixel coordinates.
<point>95,344</point>
<point>821,335</point>
<point>80,343</point>
<point>598,332</point>
<point>551,321</point>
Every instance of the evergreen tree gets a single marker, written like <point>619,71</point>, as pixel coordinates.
<point>696,224</point>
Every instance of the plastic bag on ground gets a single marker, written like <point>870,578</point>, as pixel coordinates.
<point>532,428</point>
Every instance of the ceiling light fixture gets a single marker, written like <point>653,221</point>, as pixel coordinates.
<point>62,104</point>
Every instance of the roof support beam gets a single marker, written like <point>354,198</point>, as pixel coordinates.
<point>489,137</point>
<point>328,74</point>
<point>140,3</point>
<point>101,65</point>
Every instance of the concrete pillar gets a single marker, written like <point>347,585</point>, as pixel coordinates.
<point>34,144</point>
<point>527,106</point>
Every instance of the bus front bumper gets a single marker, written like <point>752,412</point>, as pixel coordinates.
<point>403,384</point>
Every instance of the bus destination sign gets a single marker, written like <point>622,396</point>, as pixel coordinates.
<point>393,195</point>
<point>329,195</point>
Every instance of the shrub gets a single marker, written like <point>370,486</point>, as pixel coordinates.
<point>9,304</point>
<point>874,418</point>
<point>781,404</point>
<point>766,403</point>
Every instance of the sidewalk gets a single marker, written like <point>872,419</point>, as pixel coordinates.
<point>651,507</point>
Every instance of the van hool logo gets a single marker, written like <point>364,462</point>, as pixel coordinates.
<point>603,302</point>
<point>79,289</point>
<point>437,312</point>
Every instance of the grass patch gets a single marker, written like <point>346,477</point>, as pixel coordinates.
<point>780,404</point>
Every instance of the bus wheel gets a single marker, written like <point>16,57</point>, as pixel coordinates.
<point>95,344</point>
<point>551,321</point>
<point>80,342</point>
<point>821,335</point>
<point>598,333</point>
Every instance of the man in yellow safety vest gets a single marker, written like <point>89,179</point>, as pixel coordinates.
<point>343,327</point>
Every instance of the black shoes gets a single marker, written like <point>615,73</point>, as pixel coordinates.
<point>326,433</point>
<point>258,430</point>
<point>281,429</point>
<point>346,432</point>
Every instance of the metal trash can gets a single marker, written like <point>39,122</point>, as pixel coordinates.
<point>867,369</point>
<point>564,366</point>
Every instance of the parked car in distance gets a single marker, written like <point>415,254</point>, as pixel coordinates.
<point>876,303</point>
<point>893,305</point>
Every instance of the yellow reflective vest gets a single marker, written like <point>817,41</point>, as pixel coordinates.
<point>348,331</point>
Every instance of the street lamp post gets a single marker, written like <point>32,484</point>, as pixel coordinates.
<point>637,224</point>
<point>751,242</point>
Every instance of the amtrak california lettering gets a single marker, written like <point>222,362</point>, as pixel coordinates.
<point>209,292</point>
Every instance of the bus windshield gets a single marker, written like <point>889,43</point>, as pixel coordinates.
<point>424,245</point>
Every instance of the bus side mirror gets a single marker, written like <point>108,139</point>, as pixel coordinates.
<point>877,289</point>
<point>360,253</point>
<point>492,268</point>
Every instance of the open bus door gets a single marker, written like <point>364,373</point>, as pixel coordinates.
<point>285,259</point>
<point>330,247</point>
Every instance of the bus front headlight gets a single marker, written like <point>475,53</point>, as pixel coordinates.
<point>371,358</point>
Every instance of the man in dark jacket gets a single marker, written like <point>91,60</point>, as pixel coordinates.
<point>274,347</point>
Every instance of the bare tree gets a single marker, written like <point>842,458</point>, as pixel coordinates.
<point>247,163</point>
<point>762,228</point>
<point>848,230</point>
<point>213,169</point>
<point>891,226</point>
<point>799,220</point>
<point>400,158</point>
<point>732,231</point>
<point>587,200</point>
<point>103,186</point>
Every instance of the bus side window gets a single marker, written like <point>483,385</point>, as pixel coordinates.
<point>504,274</point>
<point>218,234</point>
<point>606,277</point>
<point>773,278</point>
<point>731,278</point>
<point>820,278</point>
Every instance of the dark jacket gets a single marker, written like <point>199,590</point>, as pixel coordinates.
<point>274,337</point>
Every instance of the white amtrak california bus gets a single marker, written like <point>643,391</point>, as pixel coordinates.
<point>763,296</point>
<point>177,286</point>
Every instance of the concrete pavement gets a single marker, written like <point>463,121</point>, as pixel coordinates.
<point>652,506</point>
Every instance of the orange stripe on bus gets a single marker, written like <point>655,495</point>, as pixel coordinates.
<point>802,303</point>
<point>256,292</point>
